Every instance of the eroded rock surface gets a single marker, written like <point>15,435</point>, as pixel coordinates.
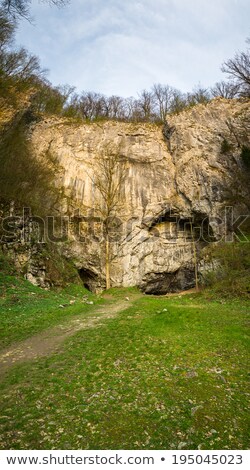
<point>173,199</point>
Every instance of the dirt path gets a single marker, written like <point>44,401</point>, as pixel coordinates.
<point>183,292</point>
<point>49,341</point>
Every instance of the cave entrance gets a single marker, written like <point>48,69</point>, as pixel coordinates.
<point>164,283</point>
<point>88,278</point>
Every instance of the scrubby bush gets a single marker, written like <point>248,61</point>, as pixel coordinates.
<point>225,146</point>
<point>231,275</point>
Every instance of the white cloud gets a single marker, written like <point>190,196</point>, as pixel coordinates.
<point>121,47</point>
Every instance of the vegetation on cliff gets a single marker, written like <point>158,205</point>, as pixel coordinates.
<point>230,276</point>
<point>26,96</point>
<point>19,69</point>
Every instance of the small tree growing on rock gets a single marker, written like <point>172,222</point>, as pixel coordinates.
<point>109,175</point>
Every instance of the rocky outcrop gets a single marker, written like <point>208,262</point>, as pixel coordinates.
<point>172,201</point>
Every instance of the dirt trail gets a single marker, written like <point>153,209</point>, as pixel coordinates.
<point>49,341</point>
<point>183,292</point>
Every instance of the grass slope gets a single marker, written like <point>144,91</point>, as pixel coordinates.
<point>27,309</point>
<point>166,373</point>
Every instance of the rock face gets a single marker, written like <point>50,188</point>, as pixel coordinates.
<point>172,200</point>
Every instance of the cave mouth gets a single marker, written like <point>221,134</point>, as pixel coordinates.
<point>88,278</point>
<point>165,283</point>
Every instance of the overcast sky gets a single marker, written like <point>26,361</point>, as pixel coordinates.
<point>123,46</point>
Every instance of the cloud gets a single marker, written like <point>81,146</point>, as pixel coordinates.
<point>121,47</point>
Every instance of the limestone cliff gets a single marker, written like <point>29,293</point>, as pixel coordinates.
<point>178,182</point>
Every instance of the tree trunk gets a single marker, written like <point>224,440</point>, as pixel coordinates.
<point>107,263</point>
<point>195,259</point>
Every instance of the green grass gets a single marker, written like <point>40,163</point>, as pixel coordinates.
<point>163,374</point>
<point>27,309</point>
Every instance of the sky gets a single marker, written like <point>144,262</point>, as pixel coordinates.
<point>120,47</point>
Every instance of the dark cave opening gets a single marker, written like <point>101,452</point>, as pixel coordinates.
<point>170,224</point>
<point>164,283</point>
<point>88,278</point>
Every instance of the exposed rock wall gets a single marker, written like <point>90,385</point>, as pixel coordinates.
<point>173,190</point>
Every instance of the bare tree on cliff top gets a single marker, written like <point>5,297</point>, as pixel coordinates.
<point>238,69</point>
<point>226,90</point>
<point>163,95</point>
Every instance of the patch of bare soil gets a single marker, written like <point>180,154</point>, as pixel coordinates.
<point>49,341</point>
<point>183,292</point>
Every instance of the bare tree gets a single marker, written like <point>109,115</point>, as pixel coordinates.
<point>114,106</point>
<point>129,106</point>
<point>194,255</point>
<point>21,8</point>
<point>178,102</point>
<point>228,90</point>
<point>238,69</point>
<point>20,64</point>
<point>7,29</point>
<point>163,95</point>
<point>92,105</point>
<point>109,175</point>
<point>49,99</point>
<point>146,104</point>
<point>199,95</point>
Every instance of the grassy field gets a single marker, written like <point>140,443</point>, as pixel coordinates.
<point>164,373</point>
<point>27,309</point>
